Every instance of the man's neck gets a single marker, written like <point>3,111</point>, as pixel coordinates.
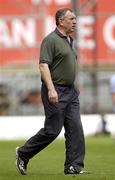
<point>62,31</point>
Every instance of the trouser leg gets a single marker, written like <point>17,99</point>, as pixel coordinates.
<point>52,127</point>
<point>75,145</point>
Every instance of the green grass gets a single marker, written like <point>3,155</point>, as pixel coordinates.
<point>48,164</point>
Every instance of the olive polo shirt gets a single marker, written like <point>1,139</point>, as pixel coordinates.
<point>60,56</point>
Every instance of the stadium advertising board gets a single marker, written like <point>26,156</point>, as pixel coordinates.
<point>24,23</point>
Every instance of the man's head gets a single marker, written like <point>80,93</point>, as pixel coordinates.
<point>66,20</point>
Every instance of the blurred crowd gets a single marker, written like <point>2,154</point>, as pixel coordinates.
<point>20,94</point>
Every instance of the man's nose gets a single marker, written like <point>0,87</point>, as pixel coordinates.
<point>74,21</point>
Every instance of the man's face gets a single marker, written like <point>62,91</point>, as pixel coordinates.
<point>68,22</point>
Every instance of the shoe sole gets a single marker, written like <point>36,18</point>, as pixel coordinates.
<point>84,172</point>
<point>21,173</point>
<point>75,173</point>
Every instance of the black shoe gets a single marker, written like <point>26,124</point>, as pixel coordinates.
<point>21,164</point>
<point>72,170</point>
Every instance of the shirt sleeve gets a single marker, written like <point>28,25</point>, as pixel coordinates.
<point>46,52</point>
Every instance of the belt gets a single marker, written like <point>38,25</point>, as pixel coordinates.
<point>64,85</point>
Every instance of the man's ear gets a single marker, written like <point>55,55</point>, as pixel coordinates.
<point>61,22</point>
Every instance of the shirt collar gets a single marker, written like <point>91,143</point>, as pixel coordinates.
<point>61,35</point>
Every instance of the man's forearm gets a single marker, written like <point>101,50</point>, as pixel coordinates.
<point>46,76</point>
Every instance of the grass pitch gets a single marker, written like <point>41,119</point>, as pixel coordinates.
<point>48,164</point>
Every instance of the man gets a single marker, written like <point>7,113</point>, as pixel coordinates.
<point>112,90</point>
<point>60,99</point>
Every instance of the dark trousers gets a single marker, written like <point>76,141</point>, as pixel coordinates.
<point>67,114</point>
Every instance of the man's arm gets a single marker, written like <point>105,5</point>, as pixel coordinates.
<point>46,77</point>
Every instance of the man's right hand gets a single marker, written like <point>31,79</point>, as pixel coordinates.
<point>53,96</point>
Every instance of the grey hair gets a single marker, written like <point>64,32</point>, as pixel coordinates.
<point>60,13</point>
